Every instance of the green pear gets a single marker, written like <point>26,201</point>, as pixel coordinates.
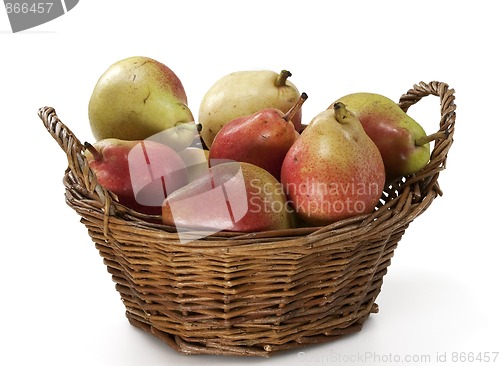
<point>138,97</point>
<point>401,140</point>
<point>196,161</point>
<point>242,93</point>
<point>334,170</point>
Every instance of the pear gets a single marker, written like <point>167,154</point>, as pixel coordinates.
<point>231,196</point>
<point>401,140</point>
<point>334,170</point>
<point>262,138</point>
<point>140,173</point>
<point>196,161</point>
<point>138,97</point>
<point>242,93</point>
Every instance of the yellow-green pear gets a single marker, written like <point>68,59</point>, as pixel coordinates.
<point>138,97</point>
<point>196,161</point>
<point>242,93</point>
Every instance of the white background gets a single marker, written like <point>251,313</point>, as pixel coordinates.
<point>57,301</point>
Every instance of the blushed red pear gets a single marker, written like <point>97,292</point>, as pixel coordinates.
<point>262,138</point>
<point>140,173</point>
<point>334,170</point>
<point>242,93</point>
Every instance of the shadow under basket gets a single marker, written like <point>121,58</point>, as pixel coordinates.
<point>252,294</point>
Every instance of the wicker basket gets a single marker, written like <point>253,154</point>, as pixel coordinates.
<point>258,293</point>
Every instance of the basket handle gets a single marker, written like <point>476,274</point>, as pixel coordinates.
<point>83,177</point>
<point>443,138</point>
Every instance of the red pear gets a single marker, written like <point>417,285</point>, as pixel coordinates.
<point>262,138</point>
<point>242,93</point>
<point>141,173</point>
<point>402,142</point>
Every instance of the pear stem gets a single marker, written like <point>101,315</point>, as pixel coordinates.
<point>340,112</point>
<point>435,136</point>
<point>289,115</point>
<point>282,77</point>
<point>96,154</point>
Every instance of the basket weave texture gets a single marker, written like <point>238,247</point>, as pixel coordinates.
<point>259,293</point>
